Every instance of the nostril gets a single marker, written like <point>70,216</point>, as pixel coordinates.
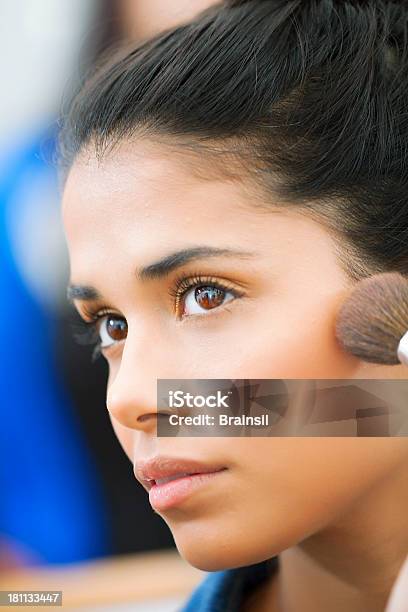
<point>146,416</point>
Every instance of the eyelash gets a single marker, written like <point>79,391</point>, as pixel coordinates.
<point>86,331</point>
<point>183,284</point>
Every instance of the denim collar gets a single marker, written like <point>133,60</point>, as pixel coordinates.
<point>225,591</point>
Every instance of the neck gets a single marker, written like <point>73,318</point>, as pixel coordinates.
<point>350,565</point>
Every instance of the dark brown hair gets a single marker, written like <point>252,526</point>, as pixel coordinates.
<point>311,94</point>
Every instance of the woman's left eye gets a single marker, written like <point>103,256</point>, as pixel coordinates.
<point>199,294</point>
<point>198,300</point>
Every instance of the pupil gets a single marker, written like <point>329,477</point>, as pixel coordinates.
<point>116,329</point>
<point>209,297</point>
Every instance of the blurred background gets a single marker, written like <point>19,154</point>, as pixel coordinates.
<point>68,496</point>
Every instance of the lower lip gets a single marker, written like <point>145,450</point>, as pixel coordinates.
<point>172,493</point>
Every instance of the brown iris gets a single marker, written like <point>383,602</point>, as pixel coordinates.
<point>209,297</point>
<point>116,328</point>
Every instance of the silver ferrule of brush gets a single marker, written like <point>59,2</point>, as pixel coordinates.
<point>403,349</point>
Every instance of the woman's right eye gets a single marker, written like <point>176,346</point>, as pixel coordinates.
<point>111,329</point>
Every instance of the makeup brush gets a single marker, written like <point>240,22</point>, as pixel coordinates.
<point>372,323</point>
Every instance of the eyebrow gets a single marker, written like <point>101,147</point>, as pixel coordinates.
<point>161,268</point>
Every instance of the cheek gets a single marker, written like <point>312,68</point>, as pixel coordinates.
<point>277,340</point>
<point>322,476</point>
<point>302,344</point>
<point>282,493</point>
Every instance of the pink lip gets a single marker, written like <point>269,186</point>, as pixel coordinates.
<point>194,475</point>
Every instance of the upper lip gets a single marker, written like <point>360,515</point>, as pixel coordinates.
<point>147,471</point>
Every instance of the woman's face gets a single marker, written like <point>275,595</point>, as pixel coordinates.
<point>145,232</point>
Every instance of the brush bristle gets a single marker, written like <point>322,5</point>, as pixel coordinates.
<point>372,321</point>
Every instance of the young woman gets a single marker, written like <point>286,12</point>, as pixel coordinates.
<point>226,184</point>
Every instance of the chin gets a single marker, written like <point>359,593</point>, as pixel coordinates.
<point>214,549</point>
<point>209,559</point>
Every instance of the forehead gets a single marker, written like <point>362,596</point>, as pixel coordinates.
<point>136,176</point>
<point>143,201</point>
<point>146,194</point>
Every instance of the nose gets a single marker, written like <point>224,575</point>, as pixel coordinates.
<point>132,392</point>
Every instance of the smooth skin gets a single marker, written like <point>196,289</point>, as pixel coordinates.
<point>333,508</point>
<point>399,597</point>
